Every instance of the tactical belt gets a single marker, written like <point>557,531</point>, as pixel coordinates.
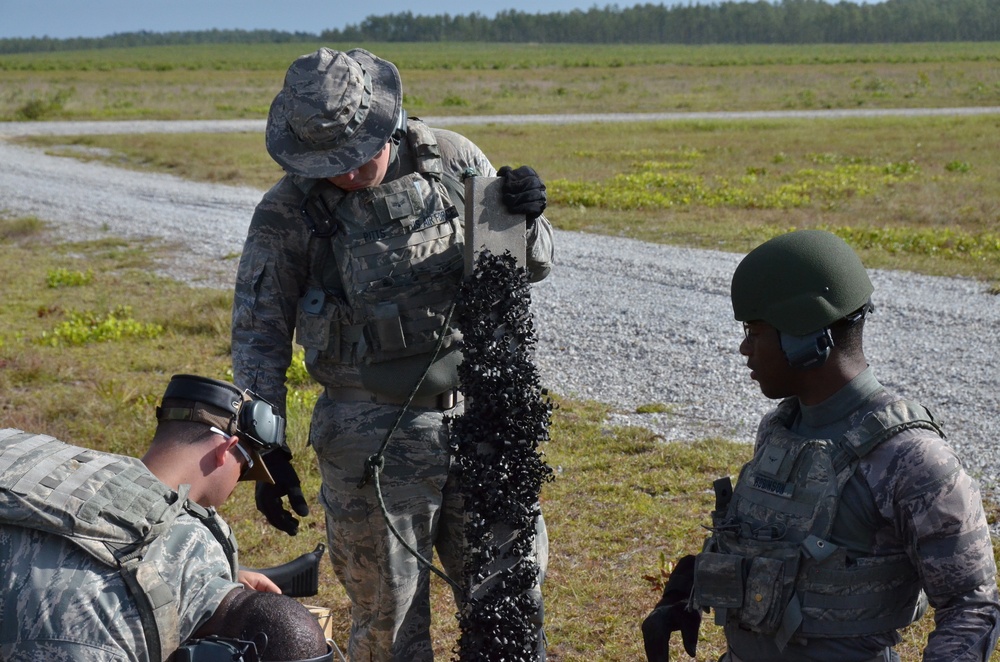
<point>442,401</point>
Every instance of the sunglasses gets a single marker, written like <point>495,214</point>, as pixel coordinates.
<point>248,465</point>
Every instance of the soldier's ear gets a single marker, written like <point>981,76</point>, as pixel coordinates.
<point>221,449</point>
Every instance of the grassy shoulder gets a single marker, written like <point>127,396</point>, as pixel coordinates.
<point>88,340</point>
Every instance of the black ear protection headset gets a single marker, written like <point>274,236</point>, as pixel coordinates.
<point>813,349</point>
<point>248,415</point>
<point>221,649</point>
<point>808,351</point>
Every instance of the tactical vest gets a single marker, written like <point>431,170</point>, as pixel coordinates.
<point>769,565</point>
<point>381,288</point>
<point>110,506</point>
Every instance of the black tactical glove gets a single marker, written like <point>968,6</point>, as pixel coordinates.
<point>672,613</point>
<point>286,483</point>
<point>522,192</point>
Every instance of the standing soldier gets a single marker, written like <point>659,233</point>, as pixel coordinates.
<point>358,253</point>
<point>853,513</point>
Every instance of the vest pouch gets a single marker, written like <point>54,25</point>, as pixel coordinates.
<point>388,328</point>
<point>764,604</point>
<point>317,324</point>
<point>718,580</point>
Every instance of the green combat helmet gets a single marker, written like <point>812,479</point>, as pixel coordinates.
<point>800,282</point>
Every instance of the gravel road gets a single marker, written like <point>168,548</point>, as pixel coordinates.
<point>618,321</point>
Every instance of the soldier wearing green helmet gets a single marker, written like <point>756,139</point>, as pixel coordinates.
<point>853,514</point>
<point>801,283</point>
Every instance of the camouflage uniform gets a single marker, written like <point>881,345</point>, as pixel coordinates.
<point>58,603</point>
<point>387,586</point>
<point>908,498</point>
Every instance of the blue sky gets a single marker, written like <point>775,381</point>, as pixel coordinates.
<point>97,18</point>
<point>61,19</point>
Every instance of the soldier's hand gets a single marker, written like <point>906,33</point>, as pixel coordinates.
<point>286,484</point>
<point>672,614</point>
<point>257,581</point>
<point>522,192</point>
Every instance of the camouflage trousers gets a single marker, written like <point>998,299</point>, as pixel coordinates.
<point>388,587</point>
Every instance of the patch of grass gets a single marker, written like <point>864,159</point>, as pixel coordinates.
<point>650,187</point>
<point>86,327</point>
<point>236,159</point>
<point>37,108</point>
<point>653,408</point>
<point>947,242</point>
<point>66,278</point>
<point>19,228</point>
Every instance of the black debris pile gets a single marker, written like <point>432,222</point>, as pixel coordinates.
<point>495,443</point>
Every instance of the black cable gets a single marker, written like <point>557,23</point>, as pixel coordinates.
<point>376,462</point>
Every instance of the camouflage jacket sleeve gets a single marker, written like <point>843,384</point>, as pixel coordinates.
<point>190,559</point>
<point>937,511</point>
<point>61,605</point>
<point>269,282</point>
<point>459,153</point>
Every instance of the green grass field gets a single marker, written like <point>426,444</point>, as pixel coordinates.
<point>232,81</point>
<point>88,337</point>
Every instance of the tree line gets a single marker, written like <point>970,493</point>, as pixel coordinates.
<point>759,22</point>
<point>147,38</point>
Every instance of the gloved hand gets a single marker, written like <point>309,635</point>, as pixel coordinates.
<point>286,483</point>
<point>672,613</point>
<point>522,192</point>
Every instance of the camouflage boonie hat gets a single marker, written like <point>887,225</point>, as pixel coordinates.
<point>335,112</point>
